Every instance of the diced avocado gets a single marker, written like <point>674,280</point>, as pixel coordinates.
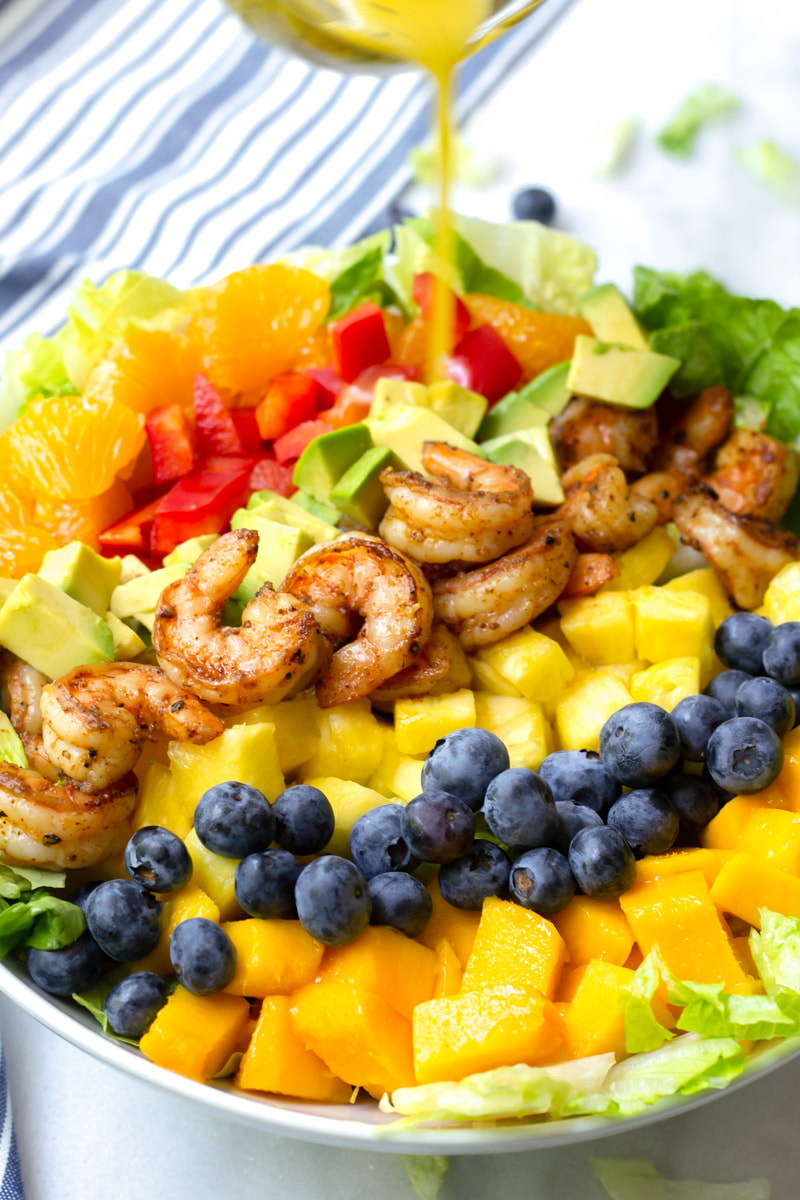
<point>633,378</point>
<point>127,643</point>
<point>286,512</point>
<point>549,391</point>
<point>54,633</point>
<point>11,748</point>
<point>325,512</point>
<point>610,316</point>
<point>323,462</point>
<point>189,551</point>
<point>146,619</point>
<point>132,568</point>
<point>531,451</point>
<point>406,427</point>
<point>279,546</point>
<point>460,407</point>
<point>544,397</point>
<point>83,574</point>
<point>389,392</point>
<point>359,493</point>
<point>141,595</point>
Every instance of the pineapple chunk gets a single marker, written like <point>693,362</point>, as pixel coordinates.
<point>398,775</point>
<point>583,709</point>
<point>519,723</point>
<point>599,628</point>
<point>161,802</point>
<point>486,679</point>
<point>667,682</point>
<point>643,563</point>
<point>782,597</point>
<point>626,671</point>
<point>672,624</point>
<point>421,721</point>
<point>351,743</point>
<point>708,584</point>
<point>214,875</point>
<point>535,664</point>
<point>349,801</point>
<point>297,728</point>
<point>246,754</point>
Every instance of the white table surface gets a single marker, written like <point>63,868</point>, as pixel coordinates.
<point>88,1133</point>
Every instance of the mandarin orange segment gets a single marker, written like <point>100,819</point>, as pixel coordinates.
<point>537,340</point>
<point>253,324</point>
<point>410,347</point>
<point>22,550</point>
<point>315,350</point>
<point>83,520</point>
<point>146,369</point>
<point>68,447</point>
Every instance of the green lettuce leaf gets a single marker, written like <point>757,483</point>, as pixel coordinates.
<point>643,1031</point>
<point>704,104</point>
<point>690,1063</point>
<point>41,921</point>
<point>11,748</point>
<point>773,167</point>
<point>638,1179</point>
<point>701,359</point>
<point>362,280</point>
<point>776,953</point>
<point>33,368</point>
<point>35,877</point>
<point>471,166</point>
<point>425,1174</point>
<point>710,1011</point>
<point>329,264</point>
<point>94,998</point>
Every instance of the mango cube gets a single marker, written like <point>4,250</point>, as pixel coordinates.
<point>774,836</point>
<point>516,947</point>
<point>196,1035</point>
<point>672,625</point>
<point>594,1020</point>
<point>782,597</point>
<point>273,957</point>
<point>788,782</point>
<point>349,801</point>
<point>383,960</point>
<point>277,1061</point>
<point>594,929</point>
<point>599,628</point>
<point>582,710</point>
<point>519,723</point>
<point>667,682</point>
<point>351,743</point>
<point>458,925</point>
<point>725,831</point>
<point>705,581</point>
<point>448,971</point>
<point>643,563</point>
<point>747,884</point>
<point>532,662</point>
<point>419,722</point>
<point>677,862</point>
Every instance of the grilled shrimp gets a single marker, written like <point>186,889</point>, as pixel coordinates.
<point>278,650</point>
<point>604,516</point>
<point>21,687</point>
<point>472,512</point>
<point>373,604</point>
<point>485,604</point>
<point>96,718</point>
<point>755,475</point>
<point>441,666</point>
<point>743,552</point>
<point>704,424</point>
<point>662,488</point>
<point>43,824</point>
<point>586,427</point>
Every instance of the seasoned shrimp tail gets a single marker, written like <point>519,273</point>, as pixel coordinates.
<point>604,514</point>
<point>374,605</point>
<point>441,666</point>
<point>700,428</point>
<point>278,650</point>
<point>95,719</point>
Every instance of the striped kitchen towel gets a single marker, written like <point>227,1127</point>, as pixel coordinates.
<point>163,135</point>
<point>10,1177</point>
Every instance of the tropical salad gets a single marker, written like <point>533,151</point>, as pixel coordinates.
<point>424,732</point>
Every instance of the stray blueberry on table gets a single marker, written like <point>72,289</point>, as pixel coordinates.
<point>304,819</point>
<point>464,763</point>
<point>639,744</point>
<point>646,819</point>
<point>571,819</point>
<point>400,900</point>
<point>519,808</point>
<point>202,955</point>
<point>71,969</point>
<point>534,204</point>
<point>123,919</point>
<point>723,687</point>
<point>333,900</point>
<point>132,1006</point>
<point>234,820</point>
<point>602,862</point>
<point>541,880</point>
<point>696,718</point>
<point>482,872</point>
<point>579,776</point>
<point>264,884</point>
<point>437,827</point>
<point>768,700</point>
<point>378,843</point>
<point>741,640</point>
<point>782,654</point>
<point>745,755</point>
<point>158,860</point>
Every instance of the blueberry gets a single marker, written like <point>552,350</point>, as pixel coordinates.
<point>723,794</point>
<point>534,204</point>
<point>264,883</point>
<point>401,901</point>
<point>693,797</point>
<point>723,687</point>
<point>741,640</point>
<point>646,819</point>
<point>744,755</point>
<point>158,860</point>
<point>378,844</point>
<point>768,700</point>
<point>639,744</point>
<point>464,764</point>
<point>437,827</point>
<point>794,692</point>
<point>234,820</point>
<point>304,819</point>
<point>579,776</point>
<point>82,894</point>
<point>782,653</point>
<point>333,901</point>
<point>542,881</point>
<point>203,956</point>
<point>73,968</point>
<point>602,862</point>
<point>519,808</point>
<point>482,871</point>
<point>696,718</point>
<point>123,919</point>
<point>132,1005</point>
<point>572,818</point>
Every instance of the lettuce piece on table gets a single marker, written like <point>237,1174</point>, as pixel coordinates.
<point>638,1179</point>
<point>425,1174</point>
<point>774,168</point>
<point>706,103</point>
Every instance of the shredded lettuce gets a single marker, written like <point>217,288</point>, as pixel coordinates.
<point>776,953</point>
<point>643,1031</point>
<point>638,1179</point>
<point>773,167</point>
<point>706,103</point>
<point>425,1174</point>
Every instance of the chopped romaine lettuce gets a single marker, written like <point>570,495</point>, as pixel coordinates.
<point>776,953</point>
<point>689,1064</point>
<point>643,1031</point>
<point>704,104</point>
<point>773,167</point>
<point>638,1179</point>
<point>11,748</point>
<point>707,1009</point>
<point>329,264</point>
<point>472,167</point>
<point>94,998</point>
<point>611,146</point>
<point>33,368</point>
<point>425,1174</point>
<point>362,280</point>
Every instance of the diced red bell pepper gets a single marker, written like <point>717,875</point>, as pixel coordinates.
<point>292,444</point>
<point>131,534</point>
<point>483,363</point>
<point>216,431</point>
<point>239,462</point>
<point>171,442</point>
<point>202,502</point>
<point>268,475</point>
<point>355,399</point>
<point>291,400</point>
<point>359,340</point>
<point>328,385</point>
<point>424,290</point>
<point>247,428</point>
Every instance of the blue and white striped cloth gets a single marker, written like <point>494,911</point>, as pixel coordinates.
<point>162,135</point>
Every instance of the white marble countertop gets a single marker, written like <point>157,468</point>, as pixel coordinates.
<point>88,1133</point>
